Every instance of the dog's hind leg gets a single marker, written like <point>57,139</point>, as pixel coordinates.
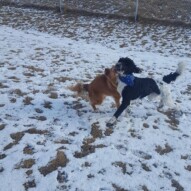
<point>96,99</point>
<point>166,97</point>
<point>94,107</point>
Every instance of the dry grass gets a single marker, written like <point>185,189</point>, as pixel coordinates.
<point>95,131</point>
<point>25,164</point>
<point>60,161</point>
<point>154,10</point>
<point>27,100</point>
<point>19,135</point>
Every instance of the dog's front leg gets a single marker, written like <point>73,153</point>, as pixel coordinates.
<point>125,103</point>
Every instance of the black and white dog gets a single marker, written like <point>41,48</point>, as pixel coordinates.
<point>131,87</point>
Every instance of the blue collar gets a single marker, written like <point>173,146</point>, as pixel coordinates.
<point>128,79</point>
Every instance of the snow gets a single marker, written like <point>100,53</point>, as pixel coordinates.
<point>33,62</point>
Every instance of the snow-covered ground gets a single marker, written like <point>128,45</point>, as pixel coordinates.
<point>52,140</point>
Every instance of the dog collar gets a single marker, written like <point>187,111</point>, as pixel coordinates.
<point>128,80</point>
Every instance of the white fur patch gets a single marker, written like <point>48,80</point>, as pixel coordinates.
<point>166,98</point>
<point>181,68</point>
<point>153,96</point>
<point>120,86</point>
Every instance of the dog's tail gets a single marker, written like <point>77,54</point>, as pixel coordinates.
<point>79,88</point>
<point>166,98</point>
<point>173,76</point>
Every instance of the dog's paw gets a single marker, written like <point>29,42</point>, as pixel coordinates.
<point>111,122</point>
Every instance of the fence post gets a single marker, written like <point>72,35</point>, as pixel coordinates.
<point>61,10</point>
<point>136,9</point>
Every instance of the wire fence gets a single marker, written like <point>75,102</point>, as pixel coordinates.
<point>163,10</point>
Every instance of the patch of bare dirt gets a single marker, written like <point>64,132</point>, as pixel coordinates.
<point>10,145</point>
<point>39,118</point>
<point>60,161</point>
<point>172,118</point>
<point>87,148</point>
<point>62,177</point>
<point>53,95</point>
<point>144,188</point>
<point>1,169</point>
<point>63,79</point>
<point>63,141</point>
<point>29,184</point>
<point>25,164</point>
<point>145,125</point>
<point>3,86</point>
<point>39,110</point>
<point>188,168</point>
<point>2,156</point>
<point>134,134</point>
<point>33,69</point>
<point>36,131</point>
<point>122,165</point>
<point>188,90</point>
<point>2,126</point>
<point>18,92</point>
<point>77,105</point>
<point>18,136</point>
<point>95,131</point>
<point>14,79</point>
<point>145,167</point>
<point>27,100</point>
<point>165,150</point>
<point>176,185</point>
<point>29,172</point>
<point>28,150</point>
<point>118,188</point>
<point>13,100</point>
<point>108,132</point>
<point>47,105</point>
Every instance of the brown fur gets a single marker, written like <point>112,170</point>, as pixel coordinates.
<point>102,86</point>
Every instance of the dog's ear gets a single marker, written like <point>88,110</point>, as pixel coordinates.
<point>137,70</point>
<point>107,71</point>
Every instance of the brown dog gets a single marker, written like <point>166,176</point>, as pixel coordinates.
<point>102,86</point>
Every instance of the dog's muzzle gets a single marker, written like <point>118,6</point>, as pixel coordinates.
<point>118,67</point>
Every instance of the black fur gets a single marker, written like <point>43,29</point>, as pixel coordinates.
<point>142,86</point>
<point>131,67</point>
<point>171,77</point>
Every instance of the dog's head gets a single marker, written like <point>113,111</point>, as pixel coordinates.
<point>111,74</point>
<point>126,66</point>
